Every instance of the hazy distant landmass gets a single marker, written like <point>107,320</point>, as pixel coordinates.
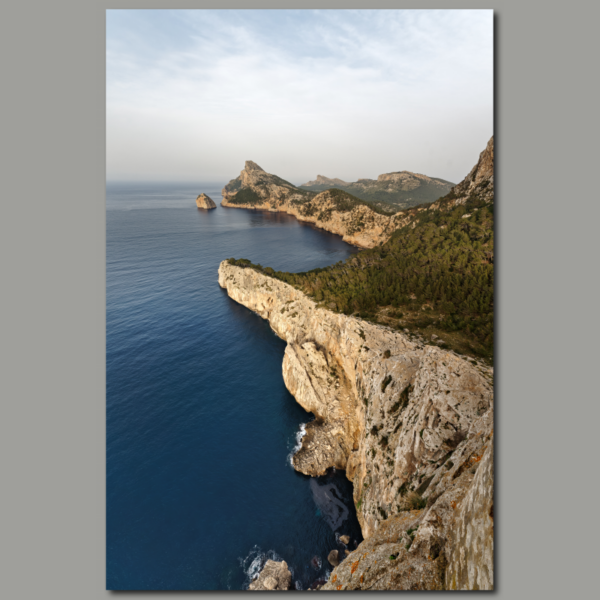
<point>401,189</point>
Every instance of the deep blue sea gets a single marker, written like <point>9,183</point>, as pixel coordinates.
<point>200,427</point>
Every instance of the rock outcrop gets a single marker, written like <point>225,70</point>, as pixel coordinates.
<point>479,183</point>
<point>274,576</point>
<point>411,424</point>
<point>204,201</point>
<point>332,210</point>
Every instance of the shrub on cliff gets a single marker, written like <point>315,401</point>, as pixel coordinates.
<point>413,501</point>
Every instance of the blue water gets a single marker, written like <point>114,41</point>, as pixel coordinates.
<point>200,427</point>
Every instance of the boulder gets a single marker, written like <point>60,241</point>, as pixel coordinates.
<point>334,558</point>
<point>274,576</point>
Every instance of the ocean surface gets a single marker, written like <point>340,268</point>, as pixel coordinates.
<point>200,426</point>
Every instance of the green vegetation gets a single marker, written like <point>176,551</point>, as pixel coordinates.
<point>344,202</point>
<point>433,277</point>
<point>246,196</point>
<point>378,194</point>
<point>414,501</point>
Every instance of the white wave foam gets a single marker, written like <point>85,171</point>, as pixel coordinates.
<point>299,435</point>
<point>253,563</point>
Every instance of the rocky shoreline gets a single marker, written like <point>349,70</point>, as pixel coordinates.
<point>358,224</point>
<point>411,425</point>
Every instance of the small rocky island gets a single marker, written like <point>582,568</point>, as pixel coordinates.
<point>204,201</point>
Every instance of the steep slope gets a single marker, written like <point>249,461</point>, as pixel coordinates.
<point>357,221</point>
<point>401,189</point>
<point>477,187</point>
<point>205,202</point>
<point>410,423</point>
<point>435,274</point>
<point>400,417</point>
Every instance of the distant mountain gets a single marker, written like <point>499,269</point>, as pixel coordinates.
<point>401,189</point>
<point>361,223</point>
<point>321,181</point>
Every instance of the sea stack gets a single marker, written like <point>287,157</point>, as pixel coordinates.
<point>203,201</point>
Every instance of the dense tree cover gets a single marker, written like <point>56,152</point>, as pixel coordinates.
<point>246,196</point>
<point>438,267</point>
<point>341,202</point>
<point>344,201</point>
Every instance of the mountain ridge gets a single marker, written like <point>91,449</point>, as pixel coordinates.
<point>400,189</point>
<point>409,419</point>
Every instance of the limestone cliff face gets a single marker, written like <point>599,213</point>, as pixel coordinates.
<point>401,418</point>
<point>478,183</point>
<point>204,201</point>
<point>355,222</point>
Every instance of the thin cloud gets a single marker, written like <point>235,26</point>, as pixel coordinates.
<point>305,90</point>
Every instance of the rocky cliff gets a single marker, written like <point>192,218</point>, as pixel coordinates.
<point>411,424</point>
<point>478,184</point>
<point>204,201</point>
<point>333,210</point>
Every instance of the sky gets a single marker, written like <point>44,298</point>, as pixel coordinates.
<point>192,94</point>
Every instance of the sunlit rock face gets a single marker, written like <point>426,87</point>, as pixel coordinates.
<point>405,421</point>
<point>204,201</point>
<point>274,576</point>
<point>479,183</point>
<point>256,189</point>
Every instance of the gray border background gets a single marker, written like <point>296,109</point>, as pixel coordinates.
<point>53,289</point>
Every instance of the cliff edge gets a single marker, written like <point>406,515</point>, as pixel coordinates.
<point>411,424</point>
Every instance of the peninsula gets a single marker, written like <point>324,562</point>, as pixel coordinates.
<point>359,222</point>
<point>410,420</point>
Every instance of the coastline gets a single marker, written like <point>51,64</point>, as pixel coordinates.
<point>360,226</point>
<point>415,410</point>
<point>299,218</point>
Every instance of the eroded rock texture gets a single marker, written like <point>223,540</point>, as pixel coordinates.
<point>356,223</point>
<point>274,576</point>
<point>410,424</point>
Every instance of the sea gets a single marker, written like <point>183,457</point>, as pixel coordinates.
<point>200,426</point>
